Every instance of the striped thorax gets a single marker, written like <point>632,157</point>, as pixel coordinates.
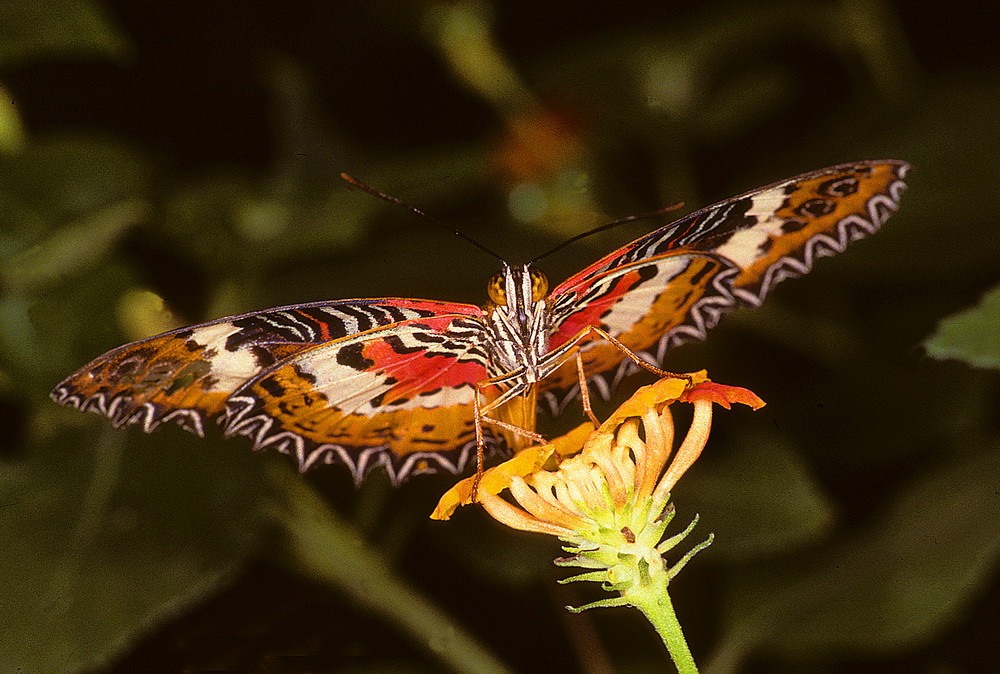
<point>517,321</point>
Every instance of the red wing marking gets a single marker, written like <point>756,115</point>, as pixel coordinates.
<point>652,310</point>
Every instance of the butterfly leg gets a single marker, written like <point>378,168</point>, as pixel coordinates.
<point>480,417</point>
<point>631,355</point>
<point>585,390</point>
<point>482,412</point>
<point>561,355</point>
<point>478,421</point>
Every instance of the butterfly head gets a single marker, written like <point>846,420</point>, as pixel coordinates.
<point>514,285</point>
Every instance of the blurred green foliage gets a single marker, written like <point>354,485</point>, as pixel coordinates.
<point>970,336</point>
<point>191,152</point>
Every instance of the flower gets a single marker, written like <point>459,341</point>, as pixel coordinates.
<point>605,493</point>
<point>580,464</point>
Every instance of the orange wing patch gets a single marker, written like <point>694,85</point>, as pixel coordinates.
<point>291,402</point>
<point>808,219</point>
<point>183,376</point>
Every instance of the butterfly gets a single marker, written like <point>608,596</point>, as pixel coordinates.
<point>418,386</point>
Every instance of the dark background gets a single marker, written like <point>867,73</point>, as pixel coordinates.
<point>190,151</point>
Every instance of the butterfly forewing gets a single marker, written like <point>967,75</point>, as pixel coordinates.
<point>673,284</point>
<point>366,382</point>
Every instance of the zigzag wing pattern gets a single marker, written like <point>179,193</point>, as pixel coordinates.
<point>213,371</point>
<point>673,284</point>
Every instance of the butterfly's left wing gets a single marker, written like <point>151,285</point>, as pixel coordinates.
<point>673,284</point>
<point>363,382</point>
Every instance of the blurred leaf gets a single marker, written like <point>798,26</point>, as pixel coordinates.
<point>326,548</point>
<point>759,502</point>
<point>43,336</point>
<point>143,313</point>
<point>48,335</point>
<point>942,136</point>
<point>38,29</point>
<point>65,178</point>
<point>496,554</point>
<point>971,336</point>
<point>198,218</point>
<point>463,33</point>
<point>744,102</point>
<point>12,133</point>
<point>225,221</point>
<point>884,591</point>
<point>78,245</point>
<point>106,541</point>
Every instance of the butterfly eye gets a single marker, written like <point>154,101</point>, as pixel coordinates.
<point>495,289</point>
<point>539,285</point>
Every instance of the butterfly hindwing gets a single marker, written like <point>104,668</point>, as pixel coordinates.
<point>399,396</point>
<point>673,284</point>
<point>354,380</point>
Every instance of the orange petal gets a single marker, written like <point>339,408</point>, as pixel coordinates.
<point>516,518</point>
<point>498,478</point>
<point>665,390</point>
<point>568,444</point>
<point>690,449</point>
<point>723,395</point>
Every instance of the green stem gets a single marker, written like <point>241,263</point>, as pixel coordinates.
<point>654,602</point>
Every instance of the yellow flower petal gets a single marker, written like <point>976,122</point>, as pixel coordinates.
<point>515,518</point>
<point>496,479</point>
<point>690,449</point>
<point>663,391</point>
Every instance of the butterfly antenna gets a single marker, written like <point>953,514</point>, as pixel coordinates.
<point>610,225</point>
<point>413,209</point>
